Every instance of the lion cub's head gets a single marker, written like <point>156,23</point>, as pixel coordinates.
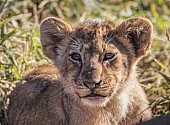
<point>96,58</point>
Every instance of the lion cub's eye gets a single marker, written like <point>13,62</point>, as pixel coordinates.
<point>75,57</point>
<point>109,57</point>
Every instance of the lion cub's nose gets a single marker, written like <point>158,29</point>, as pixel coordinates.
<point>91,85</point>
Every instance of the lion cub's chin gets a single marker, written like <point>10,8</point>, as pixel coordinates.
<point>95,101</point>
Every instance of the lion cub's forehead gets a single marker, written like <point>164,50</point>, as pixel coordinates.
<point>92,34</point>
<point>94,28</point>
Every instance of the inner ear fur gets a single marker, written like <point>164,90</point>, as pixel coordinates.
<point>139,32</point>
<point>53,31</point>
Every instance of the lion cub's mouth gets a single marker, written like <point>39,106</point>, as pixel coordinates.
<point>91,95</point>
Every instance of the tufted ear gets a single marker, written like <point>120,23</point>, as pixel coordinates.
<point>53,31</point>
<point>139,32</point>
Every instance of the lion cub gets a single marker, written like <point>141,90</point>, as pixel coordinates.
<point>93,81</point>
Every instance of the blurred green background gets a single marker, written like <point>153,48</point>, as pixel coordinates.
<point>20,48</point>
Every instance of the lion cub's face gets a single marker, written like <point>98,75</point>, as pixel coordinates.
<point>95,59</point>
<point>95,69</point>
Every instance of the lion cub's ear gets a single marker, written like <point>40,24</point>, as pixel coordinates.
<point>139,32</point>
<point>53,31</point>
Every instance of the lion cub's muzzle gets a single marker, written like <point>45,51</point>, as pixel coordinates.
<point>92,85</point>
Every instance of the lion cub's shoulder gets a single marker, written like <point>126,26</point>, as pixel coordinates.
<point>40,78</point>
<point>36,83</point>
<point>43,71</point>
<point>33,97</point>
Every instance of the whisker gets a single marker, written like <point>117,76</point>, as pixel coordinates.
<point>106,36</point>
<point>111,39</point>
<point>65,89</point>
<point>109,36</point>
<point>76,38</point>
<point>62,91</point>
<point>73,40</point>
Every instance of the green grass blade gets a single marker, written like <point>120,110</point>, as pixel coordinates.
<point>13,62</point>
<point>7,36</point>
<point>165,76</point>
<point>2,30</point>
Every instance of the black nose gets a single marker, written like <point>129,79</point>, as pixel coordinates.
<point>91,85</point>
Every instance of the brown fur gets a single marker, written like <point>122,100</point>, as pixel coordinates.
<point>95,57</point>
